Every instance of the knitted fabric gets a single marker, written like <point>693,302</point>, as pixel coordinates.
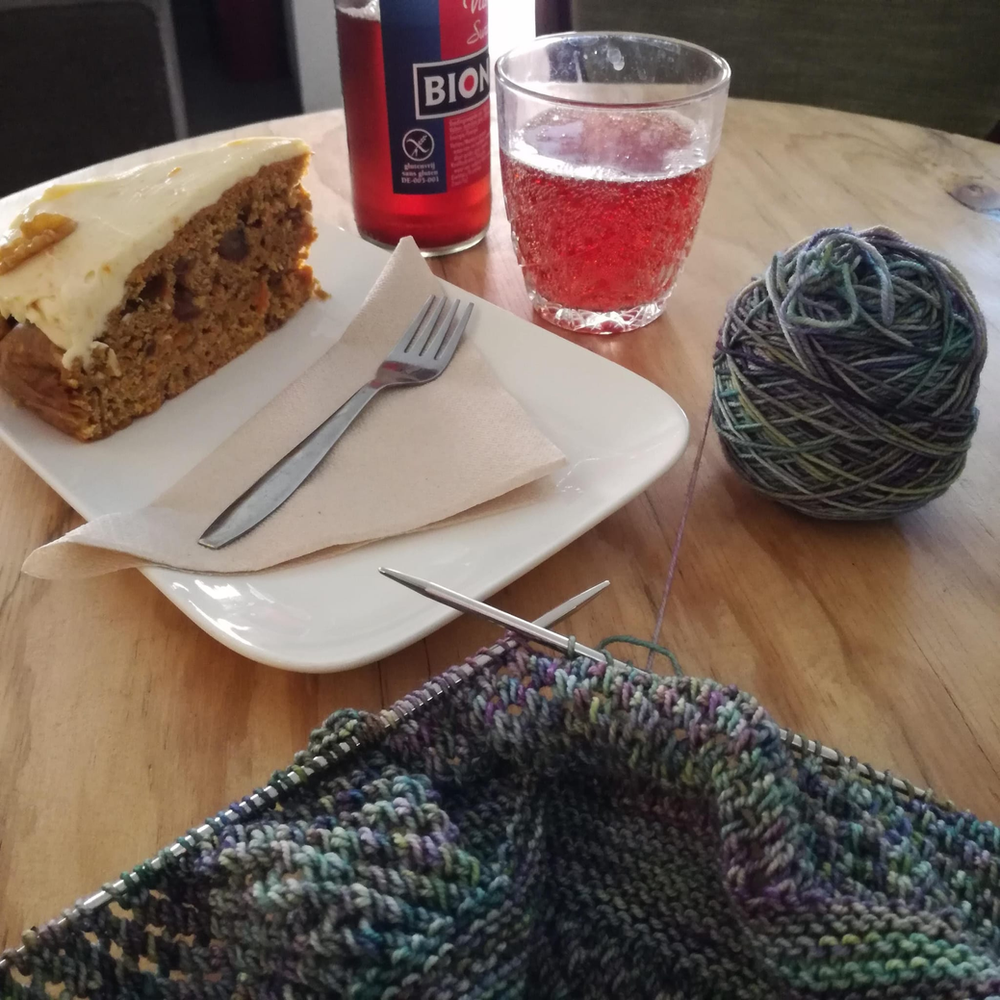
<point>564,830</point>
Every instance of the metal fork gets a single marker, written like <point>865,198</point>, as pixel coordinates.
<point>421,355</point>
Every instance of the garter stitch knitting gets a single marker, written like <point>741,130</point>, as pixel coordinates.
<point>557,829</point>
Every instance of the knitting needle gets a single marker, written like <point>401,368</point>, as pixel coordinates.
<point>267,796</point>
<point>577,601</point>
<point>530,630</point>
<point>553,640</point>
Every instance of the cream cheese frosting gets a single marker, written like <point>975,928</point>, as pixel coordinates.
<point>68,289</point>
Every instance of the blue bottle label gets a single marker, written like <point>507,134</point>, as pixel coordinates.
<point>437,85</point>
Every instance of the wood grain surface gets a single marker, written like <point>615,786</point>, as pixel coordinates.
<point>122,723</point>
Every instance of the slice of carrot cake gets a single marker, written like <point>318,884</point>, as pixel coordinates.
<point>117,294</point>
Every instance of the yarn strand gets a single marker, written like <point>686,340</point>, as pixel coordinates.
<point>653,648</point>
<point>675,551</point>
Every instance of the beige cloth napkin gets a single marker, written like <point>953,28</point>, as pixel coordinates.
<point>415,457</point>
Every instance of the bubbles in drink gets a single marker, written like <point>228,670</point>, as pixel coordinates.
<point>604,204</point>
<point>610,145</point>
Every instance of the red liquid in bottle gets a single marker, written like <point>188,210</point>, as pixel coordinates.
<point>436,221</point>
<point>603,205</point>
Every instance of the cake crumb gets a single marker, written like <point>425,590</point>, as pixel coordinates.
<point>108,358</point>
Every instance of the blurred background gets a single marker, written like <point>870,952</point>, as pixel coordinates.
<point>81,82</point>
<point>85,80</point>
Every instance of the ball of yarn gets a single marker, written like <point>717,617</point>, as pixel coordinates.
<point>846,376</point>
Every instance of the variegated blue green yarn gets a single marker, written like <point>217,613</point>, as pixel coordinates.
<point>560,830</point>
<point>846,376</point>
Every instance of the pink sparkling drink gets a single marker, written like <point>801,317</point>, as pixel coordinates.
<point>602,239</point>
<point>604,177</point>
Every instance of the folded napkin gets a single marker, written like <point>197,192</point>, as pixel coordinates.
<point>415,457</point>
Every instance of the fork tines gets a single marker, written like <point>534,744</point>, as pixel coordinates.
<point>431,337</point>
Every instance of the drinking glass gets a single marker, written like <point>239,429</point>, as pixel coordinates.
<point>606,148</point>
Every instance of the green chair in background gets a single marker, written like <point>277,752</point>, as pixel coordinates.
<point>931,62</point>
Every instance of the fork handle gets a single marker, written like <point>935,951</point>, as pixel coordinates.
<point>286,475</point>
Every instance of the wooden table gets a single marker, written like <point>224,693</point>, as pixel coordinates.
<point>122,723</point>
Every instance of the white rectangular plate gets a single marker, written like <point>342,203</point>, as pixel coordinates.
<point>618,431</point>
